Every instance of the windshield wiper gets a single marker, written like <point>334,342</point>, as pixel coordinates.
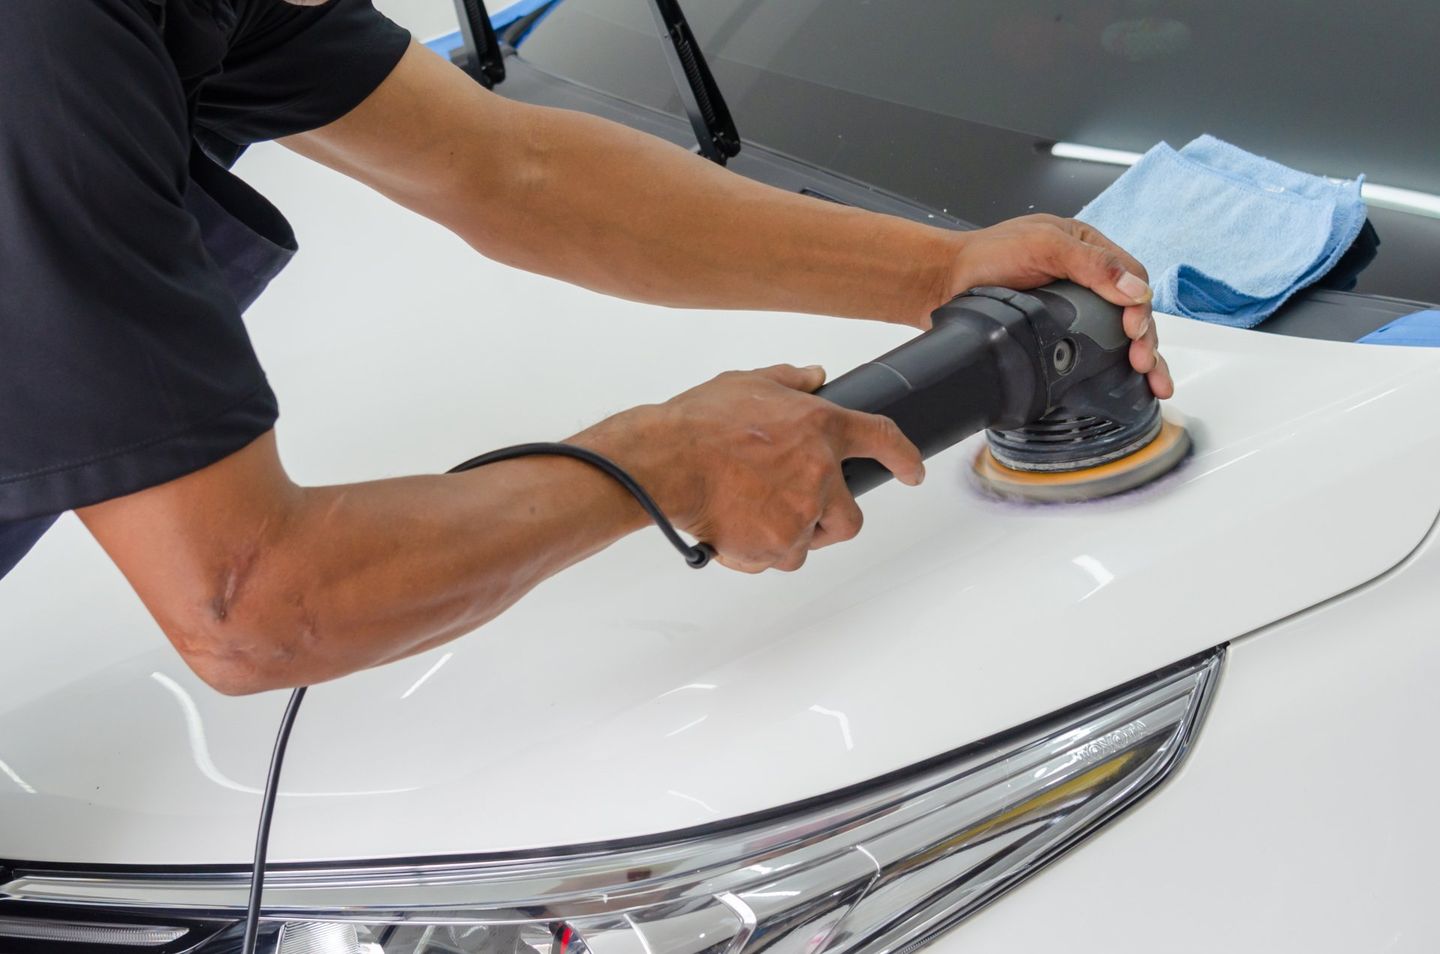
<point>479,53</point>
<point>710,117</point>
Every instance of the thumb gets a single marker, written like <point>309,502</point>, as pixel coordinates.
<point>801,379</point>
<point>1102,271</point>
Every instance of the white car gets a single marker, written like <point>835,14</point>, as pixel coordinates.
<point>1219,689</point>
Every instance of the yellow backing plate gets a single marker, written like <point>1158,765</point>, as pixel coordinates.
<point>1149,462</point>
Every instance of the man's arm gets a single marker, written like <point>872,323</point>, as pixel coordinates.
<point>604,206</point>
<point>261,584</point>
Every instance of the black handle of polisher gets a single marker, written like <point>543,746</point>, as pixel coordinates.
<point>977,367</point>
<point>997,359</point>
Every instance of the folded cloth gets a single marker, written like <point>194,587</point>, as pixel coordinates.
<point>1420,329</point>
<point>1226,235</point>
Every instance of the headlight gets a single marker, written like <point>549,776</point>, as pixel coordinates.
<point>881,868</point>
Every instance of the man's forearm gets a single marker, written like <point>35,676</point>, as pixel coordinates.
<point>290,586</point>
<point>598,194</point>
<point>602,205</point>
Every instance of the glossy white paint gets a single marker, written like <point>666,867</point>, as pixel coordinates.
<point>633,695</point>
<point>1304,819</point>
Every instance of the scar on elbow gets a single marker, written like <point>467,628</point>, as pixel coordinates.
<point>307,621</point>
<point>231,583</point>
<point>239,659</point>
<point>233,577</point>
<point>296,625</point>
<point>256,626</point>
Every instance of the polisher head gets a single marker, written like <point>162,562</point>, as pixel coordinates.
<point>1085,478</point>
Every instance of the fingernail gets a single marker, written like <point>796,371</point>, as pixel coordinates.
<point>812,367</point>
<point>1145,328</point>
<point>1135,287</point>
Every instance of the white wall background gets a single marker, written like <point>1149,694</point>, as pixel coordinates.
<point>428,19</point>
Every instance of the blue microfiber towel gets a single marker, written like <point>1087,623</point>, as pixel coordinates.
<point>1420,329</point>
<point>1226,235</point>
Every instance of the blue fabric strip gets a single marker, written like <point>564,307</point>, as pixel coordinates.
<point>521,8</point>
<point>499,20</point>
<point>1420,329</point>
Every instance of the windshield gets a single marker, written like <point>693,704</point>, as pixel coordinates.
<point>955,104</point>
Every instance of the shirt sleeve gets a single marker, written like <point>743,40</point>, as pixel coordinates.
<point>123,359</point>
<point>291,69</point>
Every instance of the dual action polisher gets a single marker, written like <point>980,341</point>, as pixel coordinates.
<point>1046,373</point>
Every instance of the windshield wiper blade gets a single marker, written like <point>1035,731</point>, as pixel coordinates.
<point>479,53</point>
<point>714,129</point>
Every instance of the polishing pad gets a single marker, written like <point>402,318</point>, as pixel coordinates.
<point>1155,459</point>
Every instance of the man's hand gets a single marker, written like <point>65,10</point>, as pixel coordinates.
<point>749,462</point>
<point>1037,249</point>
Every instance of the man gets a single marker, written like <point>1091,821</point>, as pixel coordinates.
<point>131,394</point>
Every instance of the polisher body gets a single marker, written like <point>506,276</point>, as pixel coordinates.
<point>1046,372</point>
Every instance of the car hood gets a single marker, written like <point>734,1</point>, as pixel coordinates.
<point>632,695</point>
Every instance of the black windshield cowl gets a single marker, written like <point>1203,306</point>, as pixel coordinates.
<point>955,106</point>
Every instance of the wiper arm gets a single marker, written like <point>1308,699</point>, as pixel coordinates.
<point>710,117</point>
<point>480,56</point>
<point>479,53</point>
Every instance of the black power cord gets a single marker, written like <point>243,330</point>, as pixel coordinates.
<point>267,810</point>
<point>697,556</point>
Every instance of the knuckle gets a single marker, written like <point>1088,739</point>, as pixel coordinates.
<point>818,415</point>
<point>1056,251</point>
<point>890,434</point>
<point>792,561</point>
<point>815,470</point>
<point>775,543</point>
<point>840,530</point>
<point>1110,263</point>
<point>1089,233</point>
<point>760,555</point>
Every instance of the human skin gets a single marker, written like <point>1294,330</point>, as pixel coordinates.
<point>261,583</point>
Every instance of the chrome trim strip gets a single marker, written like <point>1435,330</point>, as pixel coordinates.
<point>747,920</point>
<point>89,932</point>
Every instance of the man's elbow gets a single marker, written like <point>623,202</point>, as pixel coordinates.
<point>229,679</point>
<point>241,657</point>
<point>232,675</point>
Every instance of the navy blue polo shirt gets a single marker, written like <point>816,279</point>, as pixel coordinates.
<point>124,362</point>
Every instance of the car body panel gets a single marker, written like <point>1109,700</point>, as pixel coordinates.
<point>632,695</point>
<point>1302,820</point>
